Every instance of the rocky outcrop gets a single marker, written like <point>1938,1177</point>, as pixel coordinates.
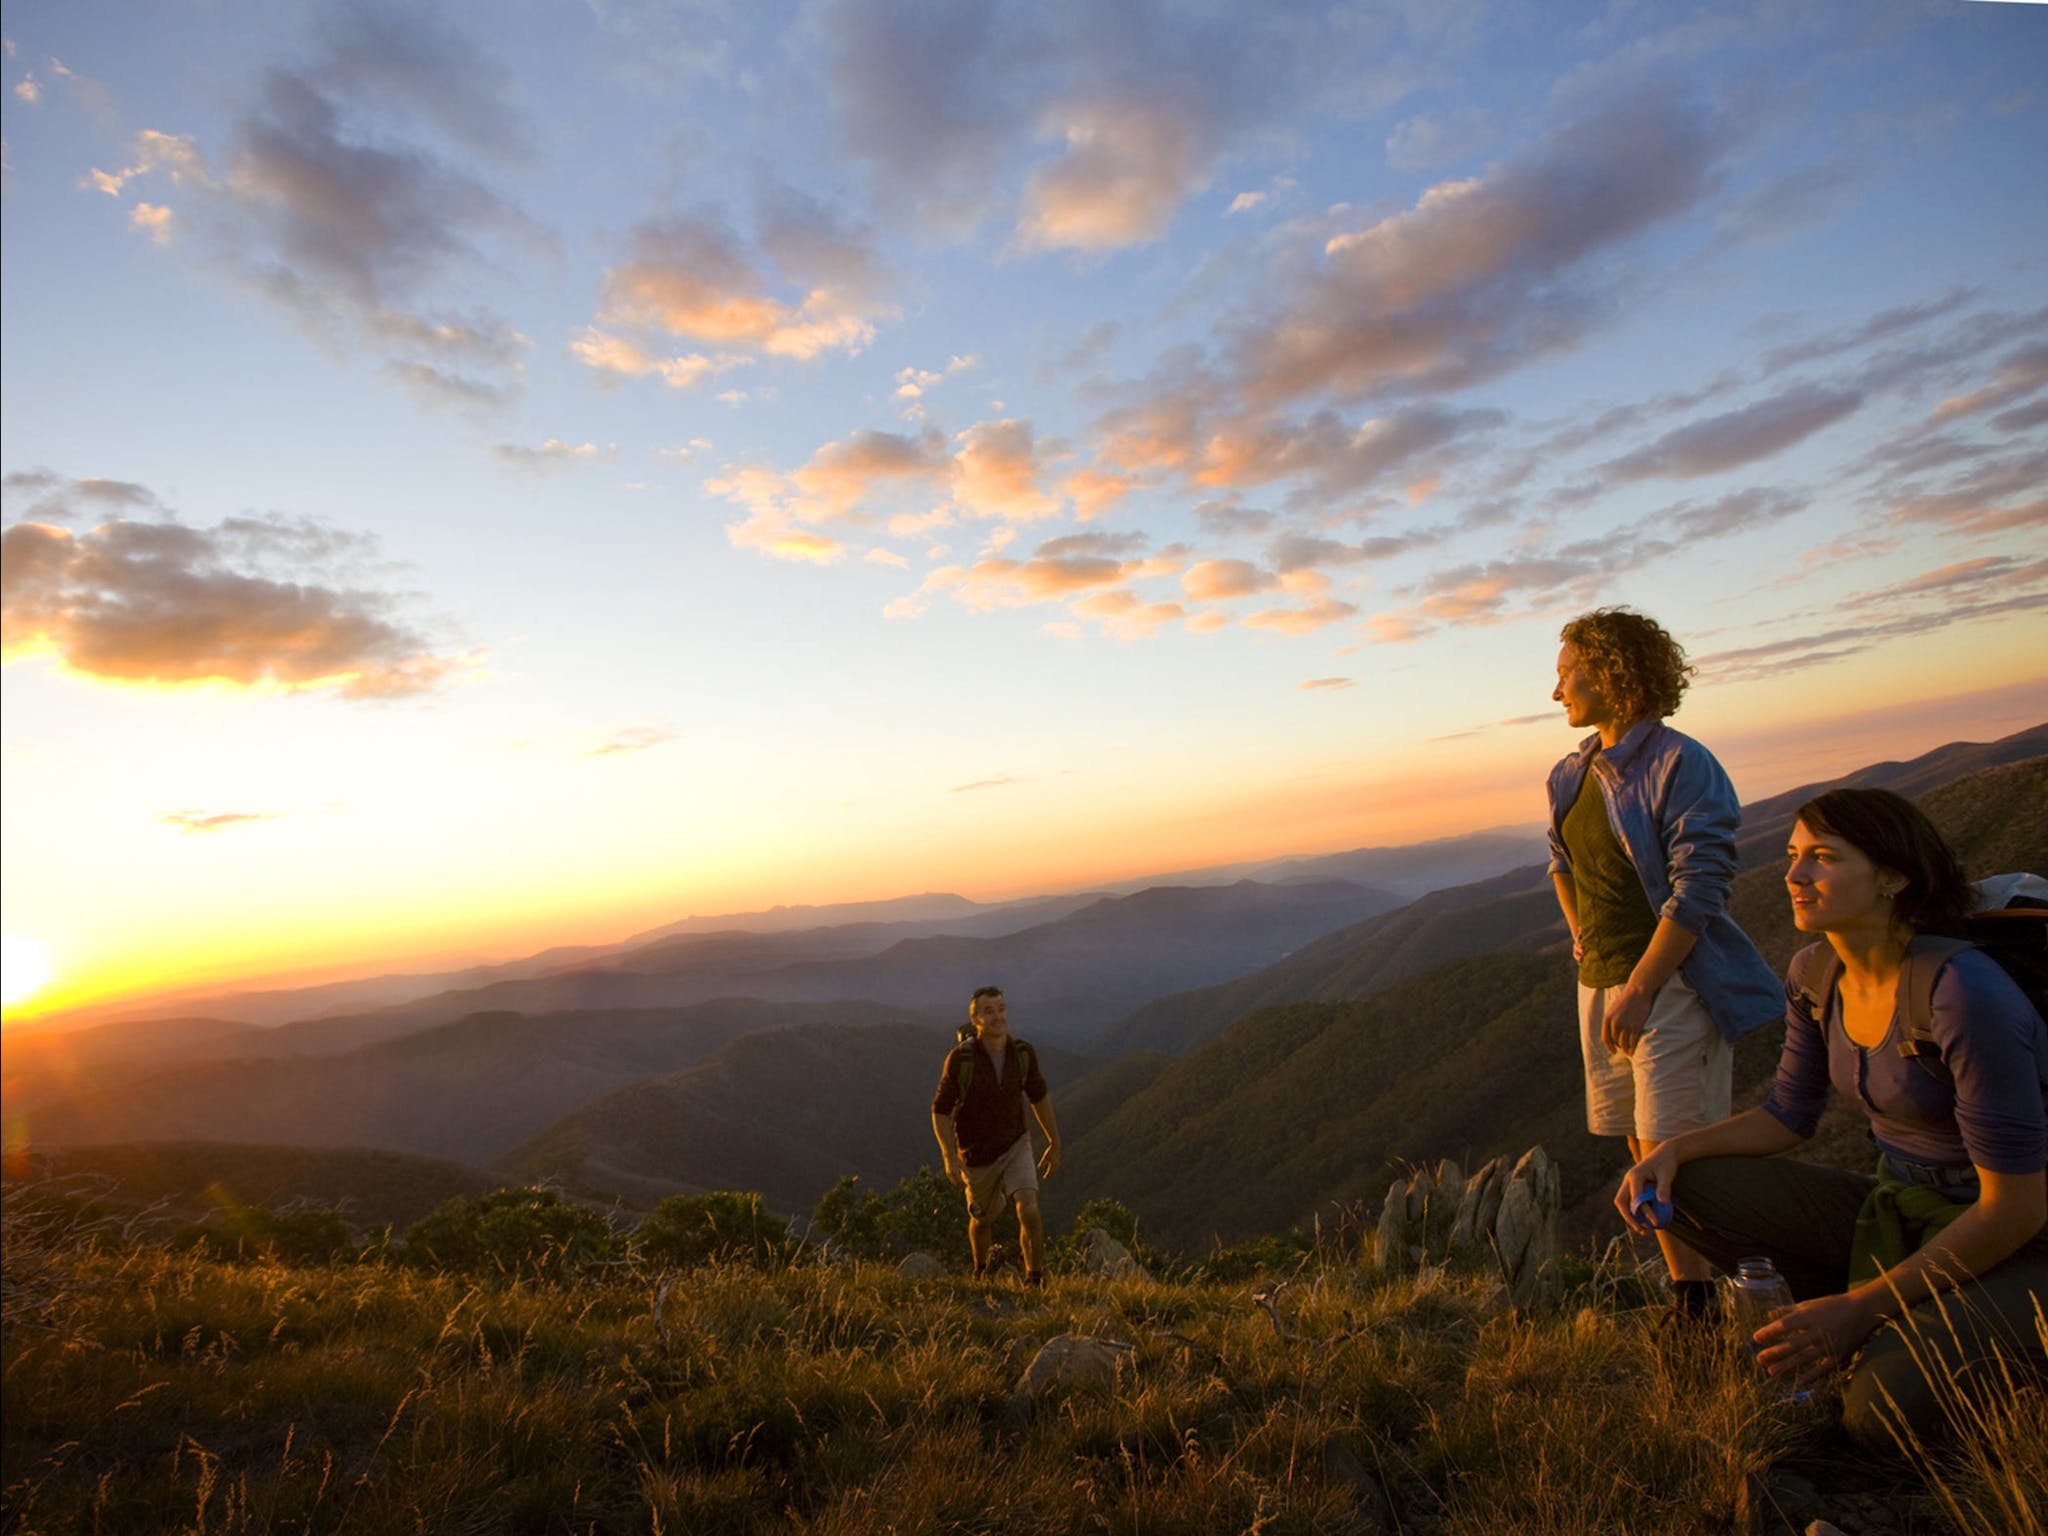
<point>1507,1214</point>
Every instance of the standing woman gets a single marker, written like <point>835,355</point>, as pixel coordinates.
<point>1642,850</point>
<point>1961,1191</point>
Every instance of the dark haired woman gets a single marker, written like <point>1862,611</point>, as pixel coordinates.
<point>1960,1196</point>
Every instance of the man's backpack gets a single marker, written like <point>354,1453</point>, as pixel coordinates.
<point>2014,934</point>
<point>1026,1060</point>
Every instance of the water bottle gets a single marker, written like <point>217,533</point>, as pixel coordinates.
<point>1757,1294</point>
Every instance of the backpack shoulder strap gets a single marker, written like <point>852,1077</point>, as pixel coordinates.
<point>963,1074</point>
<point>1815,970</point>
<point>1924,959</point>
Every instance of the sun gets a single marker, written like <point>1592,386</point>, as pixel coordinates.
<point>24,968</point>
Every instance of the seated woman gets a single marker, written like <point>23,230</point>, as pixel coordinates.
<point>1960,1196</point>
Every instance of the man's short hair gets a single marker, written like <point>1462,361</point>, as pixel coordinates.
<point>980,993</point>
<point>1638,664</point>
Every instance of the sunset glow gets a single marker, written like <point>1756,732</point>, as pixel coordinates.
<point>24,969</point>
<point>481,479</point>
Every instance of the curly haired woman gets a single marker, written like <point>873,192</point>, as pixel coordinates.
<point>1642,844</point>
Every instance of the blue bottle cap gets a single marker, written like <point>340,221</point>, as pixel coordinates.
<point>1650,1210</point>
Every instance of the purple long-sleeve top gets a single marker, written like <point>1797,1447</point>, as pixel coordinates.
<point>1991,1040</point>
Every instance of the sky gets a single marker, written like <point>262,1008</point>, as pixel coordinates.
<point>485,476</point>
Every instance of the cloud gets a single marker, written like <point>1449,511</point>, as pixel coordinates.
<point>2024,419</point>
<point>1329,456</point>
<point>996,473</point>
<point>1124,615</point>
<point>553,454</point>
<point>690,277</point>
<point>252,602</point>
<point>356,231</point>
<point>1244,202</point>
<point>404,57</point>
<point>1325,683</point>
<point>1780,658</point>
<point>842,475</point>
<point>1129,163</point>
<point>1548,717</point>
<point>152,219</point>
<point>685,453</point>
<point>633,738</point>
<point>945,104</point>
<point>1302,620</point>
<point>2022,373</point>
<point>1879,327</point>
<point>1795,201</point>
<point>189,822</point>
<point>1965,575</point>
<point>1485,274</point>
<point>1573,574</point>
<point>1001,781</point>
<point>1993,496</point>
<point>53,498</point>
<point>616,356</point>
<point>1209,581</point>
<point>1735,438</point>
<point>1096,491</point>
<point>1426,143</point>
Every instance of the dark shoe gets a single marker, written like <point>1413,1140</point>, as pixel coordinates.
<point>1034,1279</point>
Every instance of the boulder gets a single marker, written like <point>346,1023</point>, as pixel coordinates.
<point>1103,1257</point>
<point>1071,1359</point>
<point>1390,1245</point>
<point>921,1266</point>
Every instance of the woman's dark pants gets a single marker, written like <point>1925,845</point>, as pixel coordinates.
<point>1982,1336</point>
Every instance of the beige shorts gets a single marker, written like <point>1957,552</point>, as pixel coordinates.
<point>1679,1076</point>
<point>993,1185</point>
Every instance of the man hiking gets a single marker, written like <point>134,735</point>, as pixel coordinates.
<point>978,1118</point>
<point>1642,850</point>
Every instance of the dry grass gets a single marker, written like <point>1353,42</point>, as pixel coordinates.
<point>150,1391</point>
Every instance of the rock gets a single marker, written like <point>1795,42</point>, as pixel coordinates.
<point>1513,1228</point>
<point>1071,1359</point>
<point>1468,1232</point>
<point>1823,1528</point>
<point>1107,1259</point>
<point>1391,1243</point>
<point>921,1266</point>
<point>1533,1190</point>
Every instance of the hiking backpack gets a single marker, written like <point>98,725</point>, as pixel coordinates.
<point>1026,1061</point>
<point>2014,933</point>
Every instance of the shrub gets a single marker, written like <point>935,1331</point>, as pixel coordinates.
<point>1113,1217</point>
<point>512,1232</point>
<point>725,1227</point>
<point>923,1212</point>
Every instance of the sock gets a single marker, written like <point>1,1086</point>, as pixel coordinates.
<point>1695,1298</point>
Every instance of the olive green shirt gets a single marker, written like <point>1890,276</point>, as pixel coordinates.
<point>1615,920</point>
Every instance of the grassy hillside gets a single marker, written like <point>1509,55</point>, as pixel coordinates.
<point>146,1391</point>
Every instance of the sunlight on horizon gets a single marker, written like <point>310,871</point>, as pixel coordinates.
<point>25,969</point>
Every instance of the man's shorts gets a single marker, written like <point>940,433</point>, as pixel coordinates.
<point>1679,1077</point>
<point>993,1185</point>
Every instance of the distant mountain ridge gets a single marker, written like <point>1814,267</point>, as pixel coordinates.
<point>1406,870</point>
<point>1512,910</point>
<point>465,1091</point>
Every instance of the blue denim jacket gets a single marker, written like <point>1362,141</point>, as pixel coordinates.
<point>1676,813</point>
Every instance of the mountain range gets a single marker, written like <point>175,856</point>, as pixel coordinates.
<point>1298,1042</point>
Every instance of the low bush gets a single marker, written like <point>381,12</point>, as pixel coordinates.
<point>727,1227</point>
<point>513,1232</point>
